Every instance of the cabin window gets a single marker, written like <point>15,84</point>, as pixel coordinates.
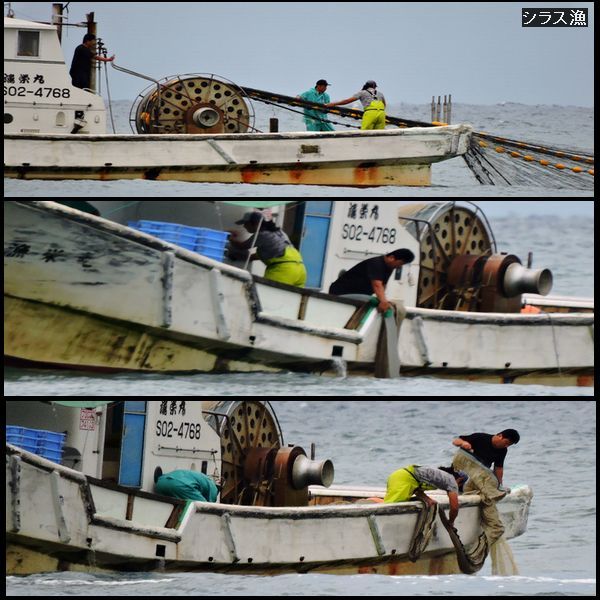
<point>29,43</point>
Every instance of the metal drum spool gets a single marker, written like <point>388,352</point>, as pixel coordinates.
<point>248,429</point>
<point>192,104</point>
<point>445,231</point>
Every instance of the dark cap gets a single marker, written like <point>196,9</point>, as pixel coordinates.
<point>323,82</point>
<point>251,217</point>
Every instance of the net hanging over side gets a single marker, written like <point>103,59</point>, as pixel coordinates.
<point>494,160</point>
<point>505,162</point>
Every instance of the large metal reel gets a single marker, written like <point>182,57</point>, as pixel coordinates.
<point>244,426</point>
<point>446,231</point>
<point>192,104</point>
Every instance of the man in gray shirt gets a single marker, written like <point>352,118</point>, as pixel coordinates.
<point>374,104</point>
<point>415,481</point>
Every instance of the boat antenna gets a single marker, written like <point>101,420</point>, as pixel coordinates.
<point>103,50</point>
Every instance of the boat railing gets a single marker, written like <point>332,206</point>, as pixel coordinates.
<point>140,76</point>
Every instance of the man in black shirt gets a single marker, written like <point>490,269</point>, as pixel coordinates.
<point>81,67</point>
<point>479,452</point>
<point>371,276</point>
<point>490,449</point>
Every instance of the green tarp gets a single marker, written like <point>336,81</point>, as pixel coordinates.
<point>258,204</point>
<point>92,404</point>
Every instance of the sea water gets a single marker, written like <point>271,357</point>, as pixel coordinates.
<point>367,441</point>
<point>565,126</point>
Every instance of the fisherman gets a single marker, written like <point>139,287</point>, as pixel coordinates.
<point>273,246</point>
<point>374,105</point>
<point>371,276</point>
<point>478,453</point>
<point>187,485</point>
<point>315,120</point>
<point>490,449</point>
<point>81,67</point>
<point>415,481</point>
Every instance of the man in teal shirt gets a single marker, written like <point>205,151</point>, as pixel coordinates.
<point>315,120</point>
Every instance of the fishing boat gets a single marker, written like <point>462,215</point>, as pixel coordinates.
<point>194,128</point>
<point>93,293</point>
<point>89,504</point>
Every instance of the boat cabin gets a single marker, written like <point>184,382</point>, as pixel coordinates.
<point>39,97</point>
<point>124,442</point>
<point>127,445</point>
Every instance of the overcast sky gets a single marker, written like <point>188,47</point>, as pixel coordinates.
<point>478,52</point>
<point>537,207</point>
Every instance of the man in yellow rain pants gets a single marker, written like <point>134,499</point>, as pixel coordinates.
<point>374,104</point>
<point>274,248</point>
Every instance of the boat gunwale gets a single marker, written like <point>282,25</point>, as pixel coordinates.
<point>501,319</point>
<point>452,130</point>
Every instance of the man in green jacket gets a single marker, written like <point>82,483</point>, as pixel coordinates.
<point>187,485</point>
<point>315,120</point>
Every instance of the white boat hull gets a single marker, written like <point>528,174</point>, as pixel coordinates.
<point>400,157</point>
<point>85,293</point>
<point>94,527</point>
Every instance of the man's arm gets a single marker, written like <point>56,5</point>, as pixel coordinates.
<point>342,102</point>
<point>463,444</point>
<point>104,59</point>
<point>454,507</point>
<point>379,291</point>
<point>499,474</point>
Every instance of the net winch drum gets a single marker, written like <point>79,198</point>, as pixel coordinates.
<point>460,267</point>
<point>256,469</point>
<point>197,104</point>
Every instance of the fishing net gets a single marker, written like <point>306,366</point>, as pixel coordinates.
<point>504,162</point>
<point>484,481</point>
<point>424,531</point>
<point>495,161</point>
<point>503,560</point>
<point>470,561</point>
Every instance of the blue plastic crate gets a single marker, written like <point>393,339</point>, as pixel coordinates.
<point>47,444</point>
<point>14,435</point>
<point>213,235</point>
<point>213,244</point>
<point>50,445</point>
<point>208,242</point>
<point>51,440</point>
<point>50,454</point>
<point>31,439</point>
<point>180,235</point>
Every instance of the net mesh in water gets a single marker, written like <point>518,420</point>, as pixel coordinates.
<point>503,559</point>
<point>504,162</point>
